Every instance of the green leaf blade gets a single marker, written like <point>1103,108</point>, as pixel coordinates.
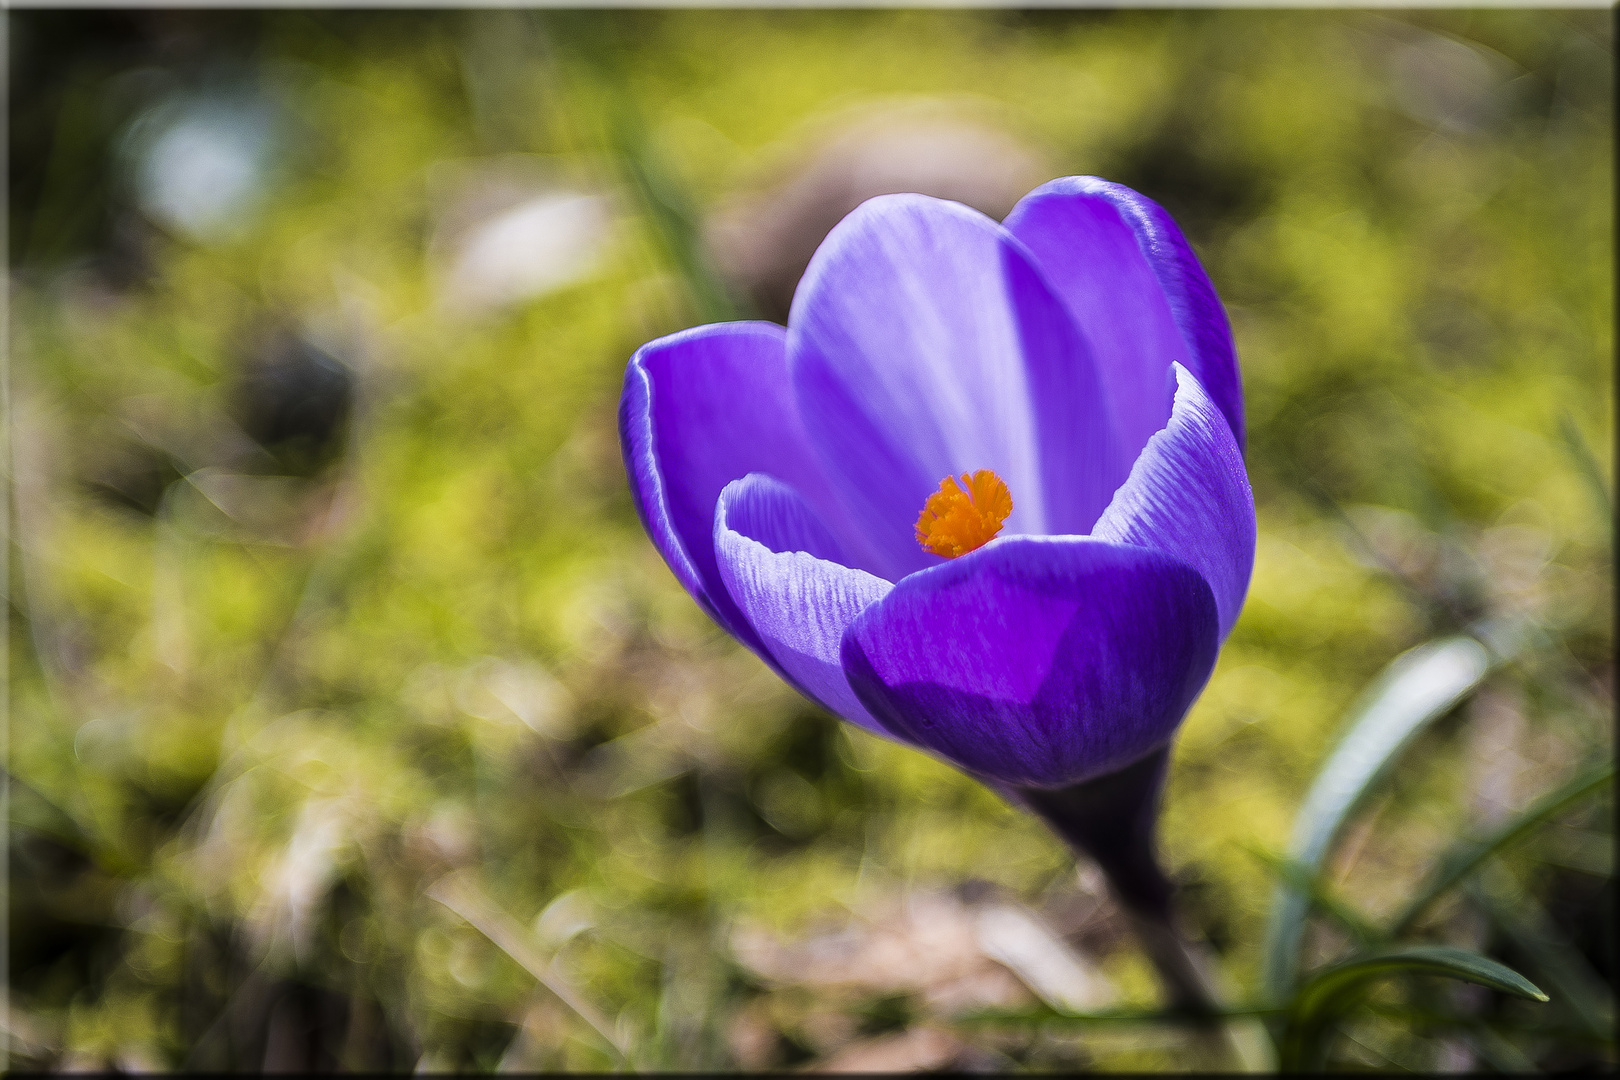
<point>1331,993</point>
<point>1046,1014</point>
<point>1310,884</point>
<point>1442,960</point>
<point>1587,465</point>
<point>1419,686</point>
<point>1465,856</point>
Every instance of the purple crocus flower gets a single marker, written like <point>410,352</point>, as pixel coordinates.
<point>1074,368</point>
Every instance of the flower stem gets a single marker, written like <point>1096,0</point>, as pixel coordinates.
<point>1110,820</point>
<point>1172,957</point>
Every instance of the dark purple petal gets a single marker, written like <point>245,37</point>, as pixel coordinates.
<point>1138,293</point>
<point>776,560</point>
<point>1040,661</point>
<point>700,409</point>
<point>1189,497</point>
<point>923,343</point>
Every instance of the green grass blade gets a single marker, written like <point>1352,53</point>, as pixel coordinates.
<point>1546,950</point>
<point>1465,856</point>
<point>1330,993</point>
<point>458,892</point>
<point>1333,984</point>
<point>673,218</point>
<point>1417,687</point>
<point>1045,1014</point>
<point>1586,464</point>
<point>1420,594</point>
<point>1308,882</point>
<point>1500,1054</point>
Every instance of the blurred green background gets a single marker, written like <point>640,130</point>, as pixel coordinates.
<point>325,581</point>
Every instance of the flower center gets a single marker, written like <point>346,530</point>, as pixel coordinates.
<point>958,519</point>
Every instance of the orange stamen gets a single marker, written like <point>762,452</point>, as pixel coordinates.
<point>955,521</point>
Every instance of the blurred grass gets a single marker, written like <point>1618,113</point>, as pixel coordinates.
<point>266,691</point>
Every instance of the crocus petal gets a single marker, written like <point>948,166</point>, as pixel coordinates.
<point>1138,293</point>
<point>1189,497</point>
<point>923,342</point>
<point>777,561</point>
<point>700,409</point>
<point>1040,661</point>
